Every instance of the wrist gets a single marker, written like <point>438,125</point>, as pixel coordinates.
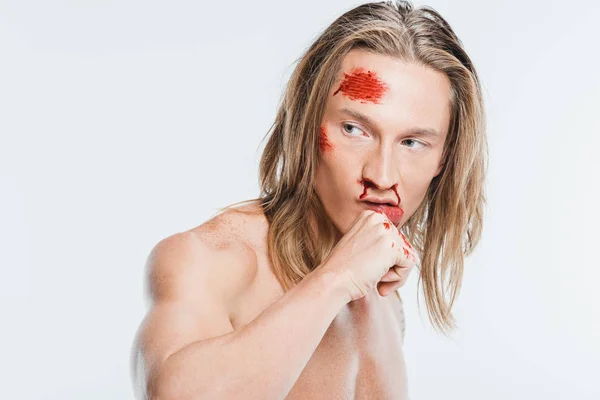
<point>333,283</point>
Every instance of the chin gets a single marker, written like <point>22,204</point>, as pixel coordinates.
<point>340,229</point>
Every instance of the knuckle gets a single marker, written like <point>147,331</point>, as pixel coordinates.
<point>373,215</point>
<point>379,219</point>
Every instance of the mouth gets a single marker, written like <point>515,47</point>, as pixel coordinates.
<point>394,213</point>
<point>380,204</point>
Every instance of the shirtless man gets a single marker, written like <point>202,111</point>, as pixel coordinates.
<point>221,326</point>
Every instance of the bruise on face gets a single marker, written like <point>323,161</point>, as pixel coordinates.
<point>324,143</point>
<point>362,85</point>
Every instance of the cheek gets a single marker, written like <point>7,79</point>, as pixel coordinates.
<point>416,186</point>
<point>337,163</point>
<point>420,170</point>
<point>325,144</point>
<point>334,174</point>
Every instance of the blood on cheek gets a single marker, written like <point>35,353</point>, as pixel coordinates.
<point>324,143</point>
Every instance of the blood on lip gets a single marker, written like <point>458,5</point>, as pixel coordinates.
<point>394,213</point>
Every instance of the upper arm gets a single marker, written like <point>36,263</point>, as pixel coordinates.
<point>191,287</point>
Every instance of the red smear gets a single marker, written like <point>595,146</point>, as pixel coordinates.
<point>364,193</point>
<point>387,225</point>
<point>394,188</point>
<point>393,244</point>
<point>405,241</point>
<point>364,86</point>
<point>406,252</point>
<point>324,143</point>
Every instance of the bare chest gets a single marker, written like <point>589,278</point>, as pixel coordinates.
<point>359,357</point>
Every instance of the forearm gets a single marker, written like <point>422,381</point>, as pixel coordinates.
<point>264,358</point>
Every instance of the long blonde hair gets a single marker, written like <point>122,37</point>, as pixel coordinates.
<point>447,225</point>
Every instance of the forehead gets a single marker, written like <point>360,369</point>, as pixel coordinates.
<point>392,91</point>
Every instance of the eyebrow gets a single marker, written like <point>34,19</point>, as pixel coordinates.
<point>368,121</point>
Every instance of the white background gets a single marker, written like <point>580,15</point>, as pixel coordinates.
<point>123,122</point>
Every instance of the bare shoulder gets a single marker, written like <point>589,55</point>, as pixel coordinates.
<point>194,279</point>
<point>213,256</point>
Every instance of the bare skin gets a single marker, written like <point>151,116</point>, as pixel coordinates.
<point>221,326</point>
<point>360,355</point>
<point>357,354</point>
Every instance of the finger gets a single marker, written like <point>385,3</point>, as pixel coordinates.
<point>385,288</point>
<point>406,243</point>
<point>384,284</point>
<point>406,258</point>
<point>402,271</point>
<point>391,275</point>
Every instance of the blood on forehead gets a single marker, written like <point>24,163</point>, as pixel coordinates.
<point>362,85</point>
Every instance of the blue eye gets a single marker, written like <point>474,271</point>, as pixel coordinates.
<point>415,141</point>
<point>351,126</point>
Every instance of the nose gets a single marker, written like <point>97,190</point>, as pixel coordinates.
<point>380,171</point>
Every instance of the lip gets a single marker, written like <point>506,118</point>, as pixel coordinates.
<point>393,213</point>
<point>377,200</point>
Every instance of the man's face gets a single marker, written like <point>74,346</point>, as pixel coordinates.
<point>383,158</point>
